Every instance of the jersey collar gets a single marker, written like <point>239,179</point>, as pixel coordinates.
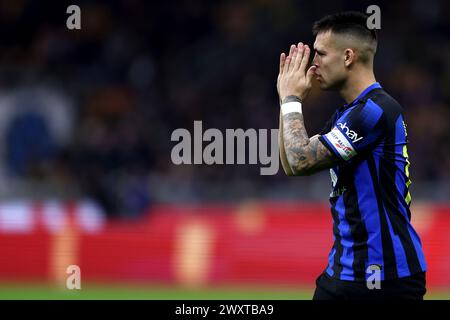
<point>373,86</point>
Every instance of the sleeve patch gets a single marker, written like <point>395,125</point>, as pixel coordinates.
<point>341,144</point>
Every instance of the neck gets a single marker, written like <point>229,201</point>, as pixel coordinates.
<point>355,85</point>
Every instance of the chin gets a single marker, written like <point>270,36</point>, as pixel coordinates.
<point>327,86</point>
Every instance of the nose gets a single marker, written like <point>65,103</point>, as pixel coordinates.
<point>314,62</point>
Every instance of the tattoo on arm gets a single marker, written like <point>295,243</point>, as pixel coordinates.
<point>284,161</point>
<point>305,156</point>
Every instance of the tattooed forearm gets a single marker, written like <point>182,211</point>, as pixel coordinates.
<point>305,156</point>
<point>284,162</point>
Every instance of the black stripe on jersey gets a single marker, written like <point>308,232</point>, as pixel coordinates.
<point>337,266</point>
<point>408,211</point>
<point>390,267</point>
<point>389,197</point>
<point>358,232</point>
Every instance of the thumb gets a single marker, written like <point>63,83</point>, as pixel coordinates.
<point>310,73</point>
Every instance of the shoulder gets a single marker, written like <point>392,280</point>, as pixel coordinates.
<point>381,101</point>
<point>377,106</point>
<point>367,112</point>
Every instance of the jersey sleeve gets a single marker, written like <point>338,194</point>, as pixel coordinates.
<point>356,131</point>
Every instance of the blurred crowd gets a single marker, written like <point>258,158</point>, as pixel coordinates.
<point>90,112</point>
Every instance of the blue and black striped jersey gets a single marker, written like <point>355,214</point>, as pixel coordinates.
<point>370,190</point>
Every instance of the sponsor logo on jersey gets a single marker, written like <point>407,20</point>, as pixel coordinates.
<point>353,136</point>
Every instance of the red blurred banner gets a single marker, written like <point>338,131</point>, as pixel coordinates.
<point>254,242</point>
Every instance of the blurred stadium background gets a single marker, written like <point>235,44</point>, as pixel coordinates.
<point>85,123</point>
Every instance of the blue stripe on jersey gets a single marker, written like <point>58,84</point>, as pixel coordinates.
<point>331,262</point>
<point>400,255</point>
<point>330,270</point>
<point>370,114</point>
<point>400,180</point>
<point>346,241</point>
<point>369,117</point>
<point>418,246</point>
<point>367,204</point>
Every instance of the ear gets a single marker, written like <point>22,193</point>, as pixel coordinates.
<point>349,57</point>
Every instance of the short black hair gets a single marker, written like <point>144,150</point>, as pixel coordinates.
<point>348,22</point>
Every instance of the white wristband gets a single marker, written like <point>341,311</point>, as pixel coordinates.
<point>289,107</point>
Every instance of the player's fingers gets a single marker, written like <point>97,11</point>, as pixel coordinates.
<point>310,74</point>
<point>291,50</point>
<point>282,60</point>
<point>288,60</point>
<point>286,64</point>
<point>293,59</point>
<point>299,56</point>
<point>305,60</point>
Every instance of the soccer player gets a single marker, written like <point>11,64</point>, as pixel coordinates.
<point>377,254</point>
